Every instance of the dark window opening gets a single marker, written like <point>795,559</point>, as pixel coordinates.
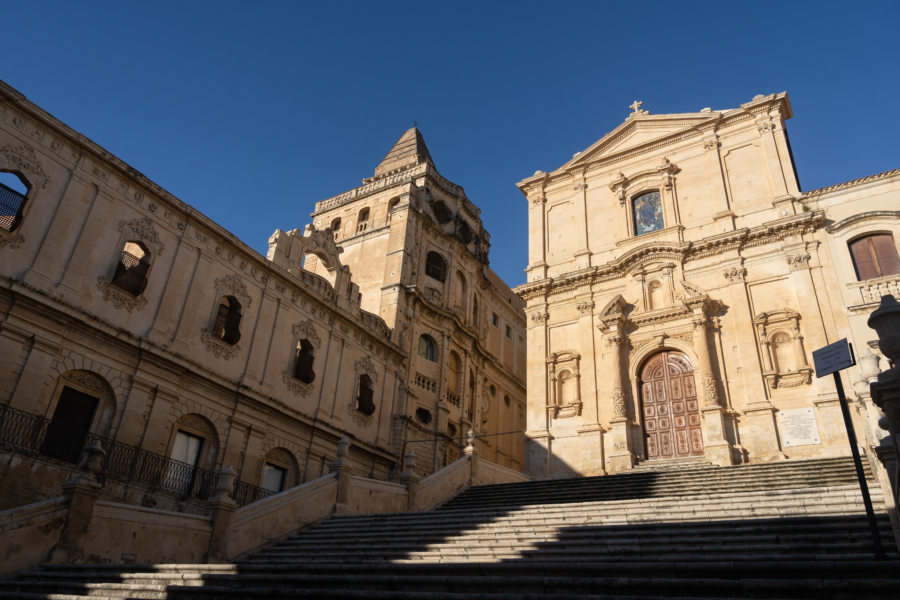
<point>423,415</point>
<point>303,362</point>
<point>427,348</point>
<point>336,227</point>
<point>874,256</point>
<point>509,332</point>
<point>435,267</point>
<point>451,429</point>
<point>133,268</point>
<point>364,398</point>
<point>274,477</point>
<point>495,320</point>
<point>228,321</point>
<point>441,212</point>
<point>13,194</point>
<point>68,429</point>
<point>362,221</point>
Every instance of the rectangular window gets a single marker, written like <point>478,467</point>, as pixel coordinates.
<point>495,320</point>
<point>70,425</point>
<point>273,478</point>
<point>509,332</point>
<point>186,451</point>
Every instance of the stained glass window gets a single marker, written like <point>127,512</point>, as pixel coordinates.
<point>647,210</point>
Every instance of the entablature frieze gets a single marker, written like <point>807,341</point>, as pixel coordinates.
<point>674,252</point>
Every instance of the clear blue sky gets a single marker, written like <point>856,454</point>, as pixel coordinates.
<point>251,112</point>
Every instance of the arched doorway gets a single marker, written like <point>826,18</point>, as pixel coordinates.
<point>669,407</point>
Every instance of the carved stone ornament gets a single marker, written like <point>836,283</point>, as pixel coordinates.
<point>231,285</point>
<point>662,175</point>
<point>558,364</point>
<point>119,297</point>
<point>765,124</point>
<point>219,348</point>
<point>90,381</point>
<point>142,230</point>
<point>10,240</point>
<point>295,385</point>
<point>710,395</point>
<point>585,308</point>
<point>797,261</point>
<point>780,340</point>
<point>367,366</point>
<point>306,330</point>
<point>692,289</point>
<point>735,274</point>
<point>539,318</point>
<point>22,158</point>
<point>618,400</point>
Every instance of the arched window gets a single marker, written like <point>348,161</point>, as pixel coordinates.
<point>13,194</point>
<point>460,291</point>
<point>364,396</point>
<point>303,362</point>
<point>427,347</point>
<point>454,368</point>
<point>392,204</point>
<point>279,471</point>
<point>336,227</point>
<point>192,450</point>
<point>435,266</point>
<point>874,256</point>
<point>68,429</point>
<point>133,268</point>
<point>647,212</point>
<point>362,221</point>
<point>228,321</point>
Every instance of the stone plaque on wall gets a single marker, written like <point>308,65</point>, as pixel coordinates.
<point>798,427</point>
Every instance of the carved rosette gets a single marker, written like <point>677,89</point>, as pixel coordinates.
<point>119,297</point>
<point>219,348</point>
<point>618,402</point>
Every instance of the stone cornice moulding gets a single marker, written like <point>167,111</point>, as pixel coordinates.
<point>673,251</point>
<point>871,215</point>
<point>814,194</point>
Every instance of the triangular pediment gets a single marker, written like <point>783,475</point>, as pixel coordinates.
<point>639,130</point>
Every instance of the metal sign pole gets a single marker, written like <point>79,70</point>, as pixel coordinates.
<point>860,474</point>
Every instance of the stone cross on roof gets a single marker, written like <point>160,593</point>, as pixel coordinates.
<point>636,108</point>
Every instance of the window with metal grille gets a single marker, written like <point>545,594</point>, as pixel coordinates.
<point>303,362</point>
<point>362,221</point>
<point>435,266</point>
<point>228,321</point>
<point>133,268</point>
<point>874,256</point>
<point>364,397</point>
<point>13,193</point>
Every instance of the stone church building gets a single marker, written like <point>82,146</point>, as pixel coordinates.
<point>679,280</point>
<point>128,317</point>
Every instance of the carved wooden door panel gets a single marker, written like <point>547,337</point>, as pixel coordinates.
<point>670,409</point>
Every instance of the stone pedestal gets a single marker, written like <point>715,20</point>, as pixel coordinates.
<point>619,456</point>
<point>221,510</point>
<point>716,448</point>
<point>592,452</point>
<point>410,478</point>
<point>342,470</point>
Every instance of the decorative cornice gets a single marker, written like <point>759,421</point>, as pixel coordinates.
<point>851,183</point>
<point>862,217</point>
<point>23,158</point>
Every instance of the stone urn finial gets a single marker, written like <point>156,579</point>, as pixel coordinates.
<point>92,459</point>
<point>470,443</point>
<point>409,461</point>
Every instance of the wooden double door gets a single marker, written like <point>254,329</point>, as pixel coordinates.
<point>669,406</point>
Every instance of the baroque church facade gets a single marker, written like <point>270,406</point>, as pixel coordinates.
<point>129,318</point>
<point>678,282</point>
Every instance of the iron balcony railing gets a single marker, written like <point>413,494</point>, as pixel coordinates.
<point>29,434</point>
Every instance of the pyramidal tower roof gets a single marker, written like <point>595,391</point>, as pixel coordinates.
<point>409,150</point>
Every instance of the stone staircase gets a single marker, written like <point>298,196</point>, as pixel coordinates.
<point>788,530</point>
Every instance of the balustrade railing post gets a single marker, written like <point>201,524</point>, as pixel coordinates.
<point>82,492</point>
